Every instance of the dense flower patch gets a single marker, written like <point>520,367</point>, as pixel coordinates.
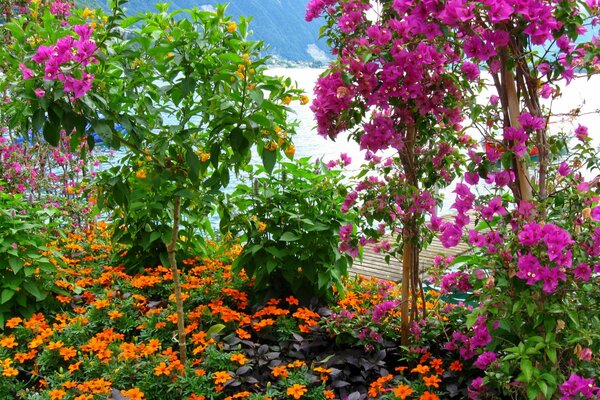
<point>113,333</point>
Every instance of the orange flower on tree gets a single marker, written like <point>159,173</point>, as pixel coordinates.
<point>296,391</point>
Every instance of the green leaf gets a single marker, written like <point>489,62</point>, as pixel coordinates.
<point>16,264</point>
<point>33,289</point>
<point>551,353</point>
<point>193,162</point>
<point>51,133</point>
<point>257,96</point>
<point>103,129</point>
<point>269,159</point>
<point>289,237</point>
<point>238,141</point>
<point>6,295</point>
<point>39,117</point>
<point>215,329</point>
<point>526,369</point>
<point>271,265</point>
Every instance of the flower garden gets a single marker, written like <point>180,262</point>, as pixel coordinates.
<point>115,283</point>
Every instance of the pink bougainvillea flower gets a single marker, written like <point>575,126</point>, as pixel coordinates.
<point>27,73</point>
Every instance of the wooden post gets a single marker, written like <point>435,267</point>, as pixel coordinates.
<point>171,250</point>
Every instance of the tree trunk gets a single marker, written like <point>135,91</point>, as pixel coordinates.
<point>521,171</point>
<point>171,250</point>
<point>410,250</point>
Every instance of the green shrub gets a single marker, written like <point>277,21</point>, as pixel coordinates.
<point>291,221</point>
<point>26,273</point>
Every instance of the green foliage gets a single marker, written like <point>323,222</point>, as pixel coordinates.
<point>194,99</point>
<point>291,220</point>
<point>26,273</point>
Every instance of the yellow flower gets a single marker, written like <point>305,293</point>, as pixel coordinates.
<point>287,100</point>
<point>231,26</point>
<point>303,99</point>
<point>290,150</point>
<point>141,174</point>
<point>261,226</point>
<point>87,13</point>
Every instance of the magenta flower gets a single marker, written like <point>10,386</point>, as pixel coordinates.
<point>582,271</point>
<point>564,169</point>
<point>39,92</point>
<point>596,213</point>
<point>381,309</point>
<point>530,234</point>
<point>581,133</point>
<point>27,73</point>
<point>485,359</point>
<point>470,70</point>
<point>529,269</point>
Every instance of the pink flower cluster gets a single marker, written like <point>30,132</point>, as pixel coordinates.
<point>579,386</point>
<point>61,8</point>
<point>66,60</point>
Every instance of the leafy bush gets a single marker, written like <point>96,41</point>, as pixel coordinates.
<point>290,220</point>
<point>26,273</point>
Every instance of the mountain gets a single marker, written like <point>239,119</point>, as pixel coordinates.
<point>279,23</point>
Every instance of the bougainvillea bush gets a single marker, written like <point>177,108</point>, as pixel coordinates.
<point>531,191</point>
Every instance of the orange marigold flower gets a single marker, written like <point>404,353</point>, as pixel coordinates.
<point>57,394</point>
<point>162,369</point>
<point>429,396</point>
<point>456,366</point>
<point>67,353</point>
<point>421,369</point>
<point>424,357</point>
<point>280,370</point>
<point>8,342</point>
<point>196,397</point>
<point>221,377</point>
<point>63,299</point>
<point>133,394</point>
<point>297,364</point>
<point>328,394</point>
<point>296,391</point>
<point>402,391</point>
<point>436,363</point>
<point>7,369</point>
<point>115,314</point>
<point>292,301</point>
<point>13,322</point>
<point>102,303</point>
<point>55,345</point>
<point>74,367</point>
<point>239,358</point>
<point>242,334</point>
<point>432,380</point>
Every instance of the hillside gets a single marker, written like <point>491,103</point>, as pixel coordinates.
<point>280,23</point>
